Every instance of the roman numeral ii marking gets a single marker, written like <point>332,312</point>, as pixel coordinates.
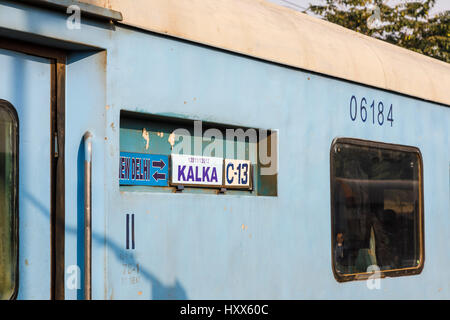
<point>130,229</point>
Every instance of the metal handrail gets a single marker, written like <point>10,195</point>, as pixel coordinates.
<point>87,215</point>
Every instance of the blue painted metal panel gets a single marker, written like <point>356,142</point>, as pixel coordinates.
<point>25,83</point>
<point>204,246</point>
<point>85,111</point>
<point>230,246</point>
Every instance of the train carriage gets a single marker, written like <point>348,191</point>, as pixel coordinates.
<point>217,149</point>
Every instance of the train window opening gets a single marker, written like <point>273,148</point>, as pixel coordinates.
<point>8,200</point>
<point>376,209</point>
<point>155,135</point>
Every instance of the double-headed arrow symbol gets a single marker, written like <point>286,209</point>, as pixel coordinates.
<point>159,164</point>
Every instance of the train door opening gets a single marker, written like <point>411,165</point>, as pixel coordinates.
<point>29,147</point>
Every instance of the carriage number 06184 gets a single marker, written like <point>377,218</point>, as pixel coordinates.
<point>371,110</point>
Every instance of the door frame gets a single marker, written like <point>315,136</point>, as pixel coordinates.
<point>57,157</point>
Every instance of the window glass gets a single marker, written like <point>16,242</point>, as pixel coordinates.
<point>376,209</point>
<point>8,200</point>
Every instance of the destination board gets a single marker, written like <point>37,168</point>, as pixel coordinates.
<point>237,173</point>
<point>196,170</point>
<point>143,169</point>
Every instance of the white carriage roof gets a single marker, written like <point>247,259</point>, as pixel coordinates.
<point>267,31</point>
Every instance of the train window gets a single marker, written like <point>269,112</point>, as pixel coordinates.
<point>8,200</point>
<point>376,209</point>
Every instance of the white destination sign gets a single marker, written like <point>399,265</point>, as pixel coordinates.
<point>196,170</point>
<point>237,173</point>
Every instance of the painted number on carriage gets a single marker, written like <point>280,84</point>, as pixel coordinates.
<point>237,173</point>
<point>371,111</point>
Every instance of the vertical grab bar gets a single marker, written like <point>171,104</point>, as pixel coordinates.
<point>87,215</point>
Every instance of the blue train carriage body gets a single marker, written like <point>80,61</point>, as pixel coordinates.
<point>315,160</point>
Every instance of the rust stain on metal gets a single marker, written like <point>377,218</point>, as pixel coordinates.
<point>26,262</point>
<point>146,137</point>
<point>171,140</point>
<point>113,126</point>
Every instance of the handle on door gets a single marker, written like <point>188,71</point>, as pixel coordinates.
<point>87,215</point>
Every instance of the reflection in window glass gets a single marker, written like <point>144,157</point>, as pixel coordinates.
<point>376,208</point>
<point>8,201</point>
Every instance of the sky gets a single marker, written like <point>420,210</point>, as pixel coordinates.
<point>441,5</point>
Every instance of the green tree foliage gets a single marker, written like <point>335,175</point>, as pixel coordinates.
<point>407,24</point>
